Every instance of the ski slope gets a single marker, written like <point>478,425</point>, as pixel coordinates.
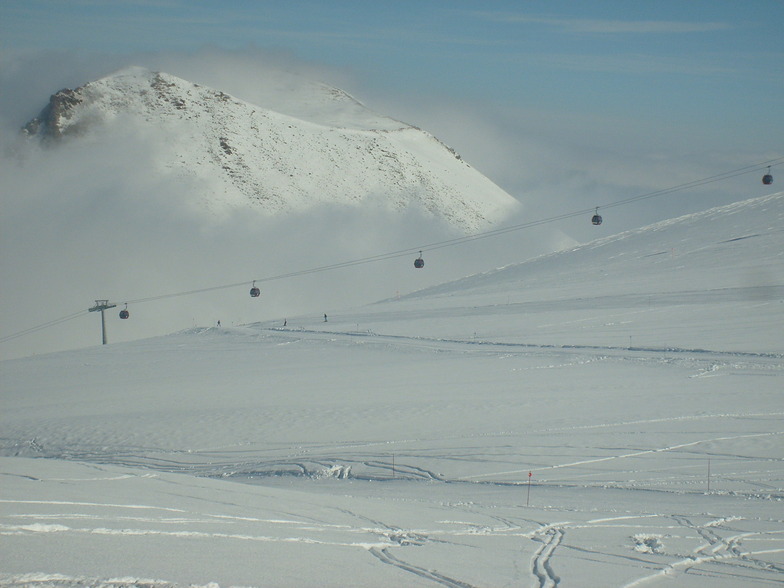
<point>605,416</point>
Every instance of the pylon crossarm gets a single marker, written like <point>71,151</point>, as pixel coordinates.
<point>101,305</point>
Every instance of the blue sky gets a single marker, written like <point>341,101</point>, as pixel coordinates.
<point>682,59</point>
<point>589,87</point>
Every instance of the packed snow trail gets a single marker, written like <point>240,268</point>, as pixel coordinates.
<point>550,537</point>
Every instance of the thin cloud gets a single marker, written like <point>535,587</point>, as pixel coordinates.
<point>633,63</point>
<point>594,26</point>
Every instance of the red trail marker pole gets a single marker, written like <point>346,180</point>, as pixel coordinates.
<point>528,499</point>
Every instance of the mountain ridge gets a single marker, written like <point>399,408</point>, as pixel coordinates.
<point>244,154</point>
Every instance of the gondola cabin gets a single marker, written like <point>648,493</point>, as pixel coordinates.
<point>596,219</point>
<point>124,314</point>
<point>767,179</point>
<point>254,291</point>
<point>419,263</point>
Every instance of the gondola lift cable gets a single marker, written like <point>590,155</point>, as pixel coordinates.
<point>432,246</point>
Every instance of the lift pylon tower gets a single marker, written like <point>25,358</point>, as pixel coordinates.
<point>102,305</point>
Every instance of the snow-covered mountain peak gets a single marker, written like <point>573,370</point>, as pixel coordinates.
<point>327,148</point>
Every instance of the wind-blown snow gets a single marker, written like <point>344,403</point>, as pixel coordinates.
<point>638,379</point>
<point>242,154</point>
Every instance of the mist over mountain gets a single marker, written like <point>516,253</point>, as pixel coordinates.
<point>141,185</point>
<point>331,150</point>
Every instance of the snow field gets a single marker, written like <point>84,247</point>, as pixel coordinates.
<point>392,445</point>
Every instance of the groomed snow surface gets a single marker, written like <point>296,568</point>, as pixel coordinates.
<point>638,379</point>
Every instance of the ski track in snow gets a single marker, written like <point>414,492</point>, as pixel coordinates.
<point>386,557</point>
<point>716,541</point>
<point>714,549</point>
<point>622,456</point>
<point>541,565</point>
<point>711,548</point>
<point>631,353</point>
<point>57,528</point>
